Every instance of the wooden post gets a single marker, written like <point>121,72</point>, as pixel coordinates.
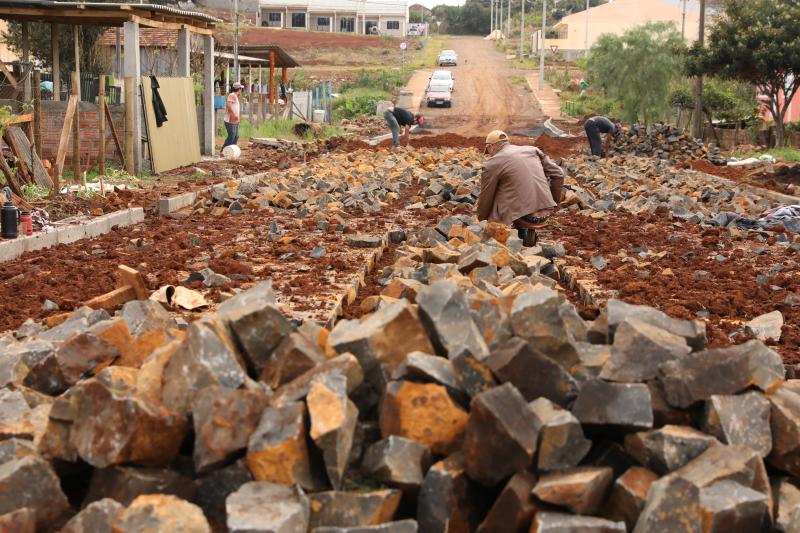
<point>130,98</point>
<point>26,58</point>
<point>76,39</point>
<point>55,49</point>
<point>209,120</point>
<point>76,131</point>
<point>262,106</point>
<point>272,83</point>
<point>101,116</point>
<point>37,112</point>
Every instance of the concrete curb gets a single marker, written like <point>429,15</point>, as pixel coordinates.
<point>12,249</point>
<point>176,203</point>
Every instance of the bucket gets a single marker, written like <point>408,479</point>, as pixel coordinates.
<point>231,152</point>
<point>319,116</point>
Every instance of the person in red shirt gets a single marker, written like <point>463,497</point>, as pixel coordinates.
<point>232,114</point>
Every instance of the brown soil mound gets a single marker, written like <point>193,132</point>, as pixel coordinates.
<point>731,173</point>
<point>784,179</point>
<point>559,147</point>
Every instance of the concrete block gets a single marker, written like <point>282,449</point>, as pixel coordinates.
<point>11,249</point>
<point>137,215</point>
<point>41,240</point>
<point>71,234</point>
<point>97,226</point>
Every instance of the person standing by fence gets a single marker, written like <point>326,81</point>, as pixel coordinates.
<point>232,114</point>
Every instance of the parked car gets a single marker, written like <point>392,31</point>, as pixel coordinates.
<point>443,77</point>
<point>448,58</point>
<point>439,94</point>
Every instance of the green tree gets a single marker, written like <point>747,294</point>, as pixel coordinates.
<point>637,68</point>
<point>473,18</point>
<point>756,41</point>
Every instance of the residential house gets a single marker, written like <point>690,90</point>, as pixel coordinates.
<point>616,17</point>
<point>385,17</point>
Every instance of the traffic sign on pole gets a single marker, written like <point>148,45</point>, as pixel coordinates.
<point>554,48</point>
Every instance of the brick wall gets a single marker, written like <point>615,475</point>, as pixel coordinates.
<point>53,120</point>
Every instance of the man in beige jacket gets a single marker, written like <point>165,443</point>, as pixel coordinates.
<point>518,186</point>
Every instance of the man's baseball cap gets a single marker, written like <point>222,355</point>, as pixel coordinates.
<point>420,119</point>
<point>495,137</point>
<point>237,86</point>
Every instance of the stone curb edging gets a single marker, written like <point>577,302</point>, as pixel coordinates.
<point>14,248</point>
<point>351,293</point>
<point>785,199</point>
<point>176,203</point>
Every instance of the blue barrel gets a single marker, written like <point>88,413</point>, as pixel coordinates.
<point>219,102</point>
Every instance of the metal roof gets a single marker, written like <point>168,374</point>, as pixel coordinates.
<point>106,14</point>
<point>282,58</point>
<point>143,7</point>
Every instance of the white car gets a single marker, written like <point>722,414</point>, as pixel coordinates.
<point>443,77</point>
<point>448,58</point>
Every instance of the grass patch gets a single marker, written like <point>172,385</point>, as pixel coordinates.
<point>788,154</point>
<point>279,129</point>
<point>520,82</point>
<point>573,105</point>
<point>428,55</point>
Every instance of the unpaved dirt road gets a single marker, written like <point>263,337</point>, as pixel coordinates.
<point>483,99</point>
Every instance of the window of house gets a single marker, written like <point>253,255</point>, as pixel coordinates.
<point>298,20</point>
<point>392,24</point>
<point>274,17</point>
<point>346,24</point>
<point>323,21</point>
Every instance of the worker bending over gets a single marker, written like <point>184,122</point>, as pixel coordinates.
<point>397,117</point>
<point>520,186</point>
<point>594,127</point>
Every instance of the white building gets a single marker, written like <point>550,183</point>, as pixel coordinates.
<point>385,17</point>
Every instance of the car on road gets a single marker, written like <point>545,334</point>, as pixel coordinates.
<point>439,94</point>
<point>448,58</point>
<point>443,77</point>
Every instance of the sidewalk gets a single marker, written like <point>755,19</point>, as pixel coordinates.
<point>548,100</point>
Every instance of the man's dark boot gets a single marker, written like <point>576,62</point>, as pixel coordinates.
<point>528,236</point>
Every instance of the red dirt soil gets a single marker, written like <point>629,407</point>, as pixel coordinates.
<point>783,179</point>
<point>729,292</point>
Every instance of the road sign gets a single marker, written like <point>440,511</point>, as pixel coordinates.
<point>403,45</point>
<point>554,48</point>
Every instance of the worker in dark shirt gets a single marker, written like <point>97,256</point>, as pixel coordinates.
<point>396,118</point>
<point>594,127</point>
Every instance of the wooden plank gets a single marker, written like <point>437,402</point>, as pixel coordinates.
<point>76,127</point>
<point>11,179</point>
<point>132,278</point>
<point>129,107</point>
<point>115,135</point>
<point>63,141</point>
<point>21,146</point>
<point>111,300</point>
<point>7,73</point>
<point>101,115</point>
<point>23,168</point>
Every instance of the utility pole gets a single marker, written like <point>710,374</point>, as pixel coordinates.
<point>586,42</point>
<point>683,21</point>
<point>697,127</point>
<point>508,25</point>
<point>541,52</point>
<point>236,74</point>
<point>522,31</point>
<point>500,18</point>
<point>491,18</point>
